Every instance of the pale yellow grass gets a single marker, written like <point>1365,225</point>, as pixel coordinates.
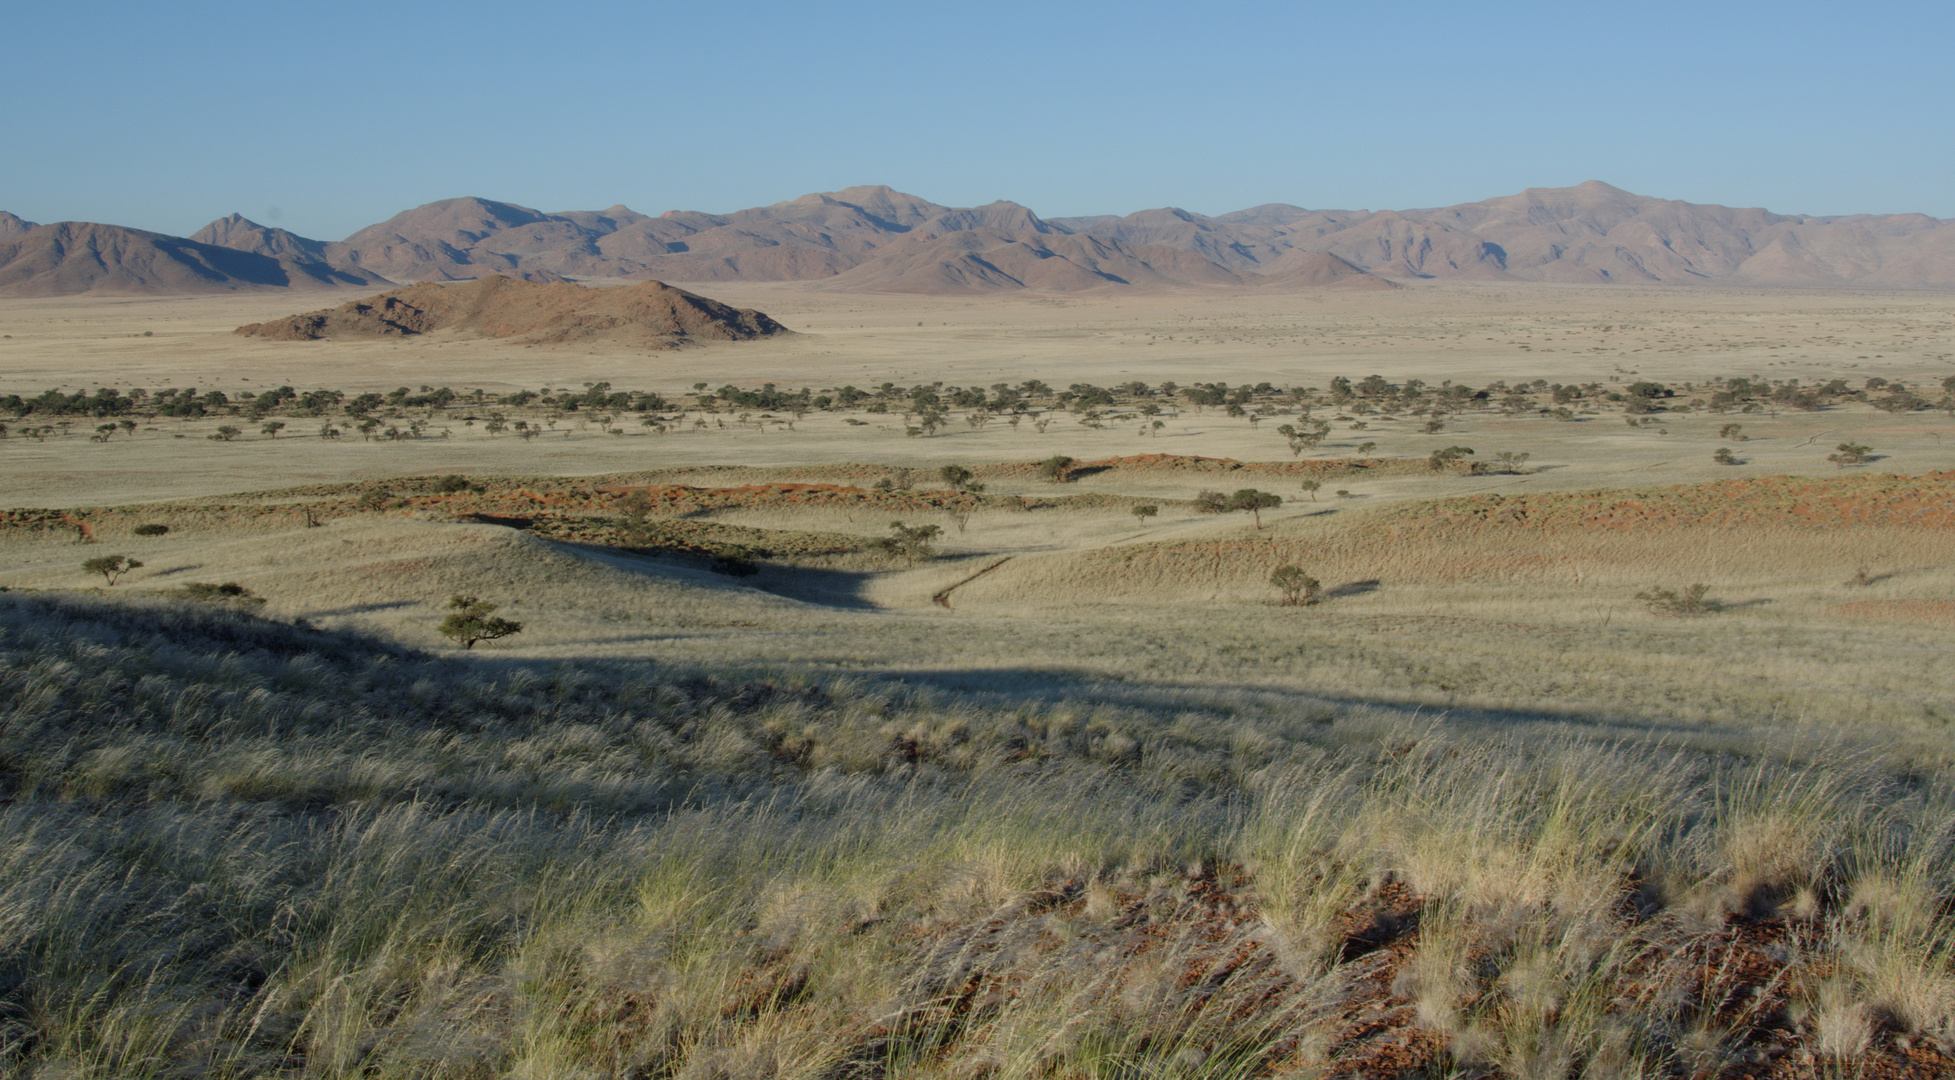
<point>1433,332</point>
<point>1477,629</point>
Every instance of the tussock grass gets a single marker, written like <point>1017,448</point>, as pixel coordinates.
<point>234,847</point>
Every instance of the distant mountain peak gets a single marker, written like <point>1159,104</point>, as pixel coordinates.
<point>873,236</point>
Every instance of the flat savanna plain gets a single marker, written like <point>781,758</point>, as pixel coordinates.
<point>1479,811</point>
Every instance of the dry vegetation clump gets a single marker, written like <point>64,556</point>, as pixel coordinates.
<point>1195,467</point>
<point>231,846</point>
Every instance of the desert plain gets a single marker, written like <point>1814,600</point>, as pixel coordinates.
<point>1073,792</point>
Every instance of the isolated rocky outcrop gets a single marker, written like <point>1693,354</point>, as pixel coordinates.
<point>649,314</point>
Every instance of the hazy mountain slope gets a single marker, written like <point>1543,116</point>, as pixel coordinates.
<point>302,256</point>
<point>76,257</point>
<point>12,225</point>
<point>1592,232</point>
<point>465,238</point>
<point>874,237</point>
<point>1299,269</point>
<point>992,259</point>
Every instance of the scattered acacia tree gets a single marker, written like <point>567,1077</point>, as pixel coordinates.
<point>1512,461</point>
<point>1255,502</point>
<point>111,567</point>
<point>1211,502</point>
<point>1724,456</point>
<point>1691,601</point>
<point>1441,460</point>
<point>1057,468</point>
<point>957,477</point>
<point>910,542</point>
<point>1734,432</point>
<point>1851,454</point>
<point>1311,487</point>
<point>272,427</point>
<point>1299,589</point>
<point>1143,511</point>
<point>226,432</point>
<point>471,620</point>
<point>1303,436</point>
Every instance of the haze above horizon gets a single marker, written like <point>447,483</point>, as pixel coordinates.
<point>323,120</point>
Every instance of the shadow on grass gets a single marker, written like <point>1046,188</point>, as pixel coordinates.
<point>843,589</point>
<point>1353,588</point>
<point>363,609</point>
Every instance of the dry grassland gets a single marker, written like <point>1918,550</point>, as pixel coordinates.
<point>1076,799</point>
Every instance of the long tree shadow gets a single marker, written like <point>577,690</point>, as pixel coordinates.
<point>844,589</point>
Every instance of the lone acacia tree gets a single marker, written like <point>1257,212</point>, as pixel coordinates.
<point>912,542</point>
<point>1255,502</point>
<point>111,567</point>
<point>1851,454</point>
<point>471,620</point>
<point>958,477</point>
<point>1057,468</point>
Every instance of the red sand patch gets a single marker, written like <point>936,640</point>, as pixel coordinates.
<point>1822,503</point>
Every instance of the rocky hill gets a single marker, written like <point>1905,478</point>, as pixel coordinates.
<point>649,314</point>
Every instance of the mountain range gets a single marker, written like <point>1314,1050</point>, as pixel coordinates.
<point>875,239</point>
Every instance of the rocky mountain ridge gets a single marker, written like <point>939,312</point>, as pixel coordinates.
<point>874,238</point>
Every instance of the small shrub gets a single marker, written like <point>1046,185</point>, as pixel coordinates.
<point>1299,589</point>
<point>471,620</point>
<point>1211,502</point>
<point>1057,469</point>
<point>1724,456</point>
<point>151,529</point>
<point>1693,600</point>
<point>229,592</point>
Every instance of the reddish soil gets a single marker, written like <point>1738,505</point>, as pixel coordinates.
<point>1741,978</point>
<point>1823,503</point>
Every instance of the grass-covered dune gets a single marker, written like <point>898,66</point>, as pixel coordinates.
<point>234,846</point>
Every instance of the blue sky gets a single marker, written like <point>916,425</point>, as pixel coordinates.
<point>327,117</point>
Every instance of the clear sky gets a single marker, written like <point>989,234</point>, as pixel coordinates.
<point>325,117</point>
